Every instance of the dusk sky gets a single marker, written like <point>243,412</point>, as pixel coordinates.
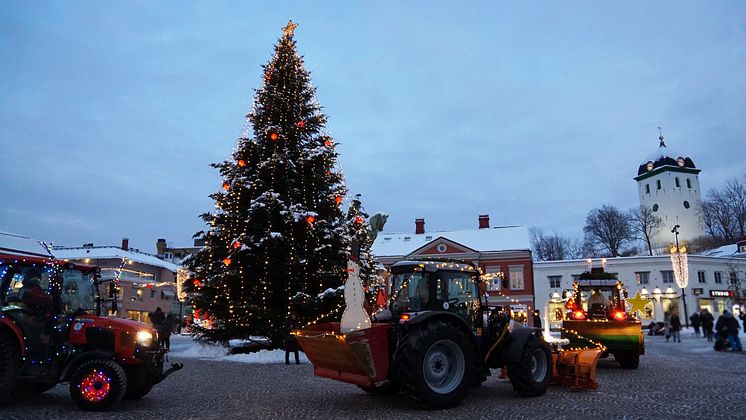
<point>531,112</point>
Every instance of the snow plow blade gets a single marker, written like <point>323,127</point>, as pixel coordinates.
<point>358,357</point>
<point>576,368</point>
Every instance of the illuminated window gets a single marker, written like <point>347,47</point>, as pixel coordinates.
<point>516,277</point>
<point>643,277</point>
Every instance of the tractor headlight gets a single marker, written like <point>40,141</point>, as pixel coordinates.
<point>145,338</point>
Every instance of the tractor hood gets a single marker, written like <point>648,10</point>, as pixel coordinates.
<point>116,324</point>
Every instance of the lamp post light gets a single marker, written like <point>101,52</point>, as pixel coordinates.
<point>681,269</point>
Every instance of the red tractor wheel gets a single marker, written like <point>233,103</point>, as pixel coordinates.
<point>98,384</point>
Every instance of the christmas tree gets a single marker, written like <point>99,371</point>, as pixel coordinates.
<point>277,244</point>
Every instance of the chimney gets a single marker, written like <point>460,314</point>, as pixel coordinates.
<point>125,243</point>
<point>484,221</point>
<point>160,247</point>
<point>419,226</point>
<point>741,246</point>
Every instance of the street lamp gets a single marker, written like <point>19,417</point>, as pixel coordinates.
<point>680,269</point>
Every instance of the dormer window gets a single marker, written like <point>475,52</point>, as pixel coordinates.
<point>658,183</point>
<point>688,183</point>
<point>647,188</point>
<point>678,184</point>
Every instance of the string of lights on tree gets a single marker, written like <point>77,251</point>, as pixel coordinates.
<point>278,230</point>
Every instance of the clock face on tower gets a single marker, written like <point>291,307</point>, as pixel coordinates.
<point>650,166</point>
<point>680,161</point>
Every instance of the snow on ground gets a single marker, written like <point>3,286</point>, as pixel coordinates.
<point>184,347</point>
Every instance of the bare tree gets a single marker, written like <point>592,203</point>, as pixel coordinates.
<point>553,247</point>
<point>645,224</point>
<point>609,229</point>
<point>735,193</point>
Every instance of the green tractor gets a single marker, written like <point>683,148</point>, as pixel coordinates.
<point>438,339</point>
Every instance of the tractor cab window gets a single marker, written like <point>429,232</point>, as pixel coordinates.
<point>599,302</point>
<point>77,292</point>
<point>463,294</point>
<point>29,288</point>
<point>411,292</point>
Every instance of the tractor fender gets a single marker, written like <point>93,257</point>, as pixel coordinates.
<point>82,358</point>
<point>8,323</point>
<point>515,342</point>
<point>430,316</point>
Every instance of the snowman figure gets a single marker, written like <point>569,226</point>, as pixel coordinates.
<point>354,317</point>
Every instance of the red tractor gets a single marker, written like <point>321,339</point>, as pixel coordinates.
<point>51,331</point>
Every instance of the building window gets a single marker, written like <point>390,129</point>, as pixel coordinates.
<point>516,277</point>
<point>733,277</point>
<point>152,294</point>
<point>658,184</point>
<point>678,184</point>
<point>688,183</point>
<point>643,277</point>
<point>575,277</point>
<point>647,188</point>
<point>555,282</point>
<point>701,277</point>
<point>718,277</point>
<point>493,277</point>
<point>667,276</point>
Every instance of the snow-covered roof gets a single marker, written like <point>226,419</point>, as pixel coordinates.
<point>725,251</point>
<point>11,243</point>
<point>114,252</point>
<point>503,238</point>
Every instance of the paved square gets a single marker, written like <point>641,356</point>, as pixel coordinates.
<point>675,380</point>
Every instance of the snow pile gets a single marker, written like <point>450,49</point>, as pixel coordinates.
<point>184,347</point>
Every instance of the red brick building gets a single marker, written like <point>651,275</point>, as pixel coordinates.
<point>503,253</point>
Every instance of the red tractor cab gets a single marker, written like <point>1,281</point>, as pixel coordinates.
<point>51,331</point>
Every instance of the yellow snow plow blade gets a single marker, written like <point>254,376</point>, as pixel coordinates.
<point>576,368</point>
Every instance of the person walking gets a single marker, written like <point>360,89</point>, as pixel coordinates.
<point>290,343</point>
<point>696,322</point>
<point>675,327</point>
<point>707,321</point>
<point>667,325</point>
<point>164,332</point>
<point>731,329</point>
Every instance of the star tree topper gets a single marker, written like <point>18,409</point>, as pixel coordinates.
<point>637,303</point>
<point>290,28</point>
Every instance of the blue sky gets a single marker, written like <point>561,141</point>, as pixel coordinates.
<point>533,112</point>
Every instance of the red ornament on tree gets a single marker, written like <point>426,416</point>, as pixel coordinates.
<point>328,143</point>
<point>338,199</point>
<point>236,245</point>
<point>310,219</point>
<point>358,220</point>
<point>227,261</point>
<point>149,285</point>
<point>226,186</point>
<point>300,124</point>
<point>197,283</point>
<point>274,136</point>
<point>267,76</point>
<point>241,163</point>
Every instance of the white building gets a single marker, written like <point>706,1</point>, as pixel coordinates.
<point>715,283</point>
<point>668,183</point>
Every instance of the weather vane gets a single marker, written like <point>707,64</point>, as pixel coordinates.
<point>290,28</point>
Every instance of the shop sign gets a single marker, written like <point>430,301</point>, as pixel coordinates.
<point>697,291</point>
<point>722,293</point>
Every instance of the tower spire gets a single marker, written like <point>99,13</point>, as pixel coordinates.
<point>660,137</point>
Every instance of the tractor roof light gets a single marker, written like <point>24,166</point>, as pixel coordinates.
<point>579,315</point>
<point>619,316</point>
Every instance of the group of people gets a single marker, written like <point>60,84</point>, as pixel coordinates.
<point>165,325</point>
<point>724,332</point>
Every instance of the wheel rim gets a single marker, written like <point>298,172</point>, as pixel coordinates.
<point>444,366</point>
<point>95,386</point>
<point>539,365</point>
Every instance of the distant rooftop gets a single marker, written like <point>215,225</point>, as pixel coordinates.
<point>11,243</point>
<point>503,238</point>
<point>731,250</point>
<point>111,252</point>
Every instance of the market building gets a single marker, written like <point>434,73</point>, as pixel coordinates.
<point>714,283</point>
<point>145,282</point>
<point>503,253</point>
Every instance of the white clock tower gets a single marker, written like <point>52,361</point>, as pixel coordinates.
<point>668,183</point>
